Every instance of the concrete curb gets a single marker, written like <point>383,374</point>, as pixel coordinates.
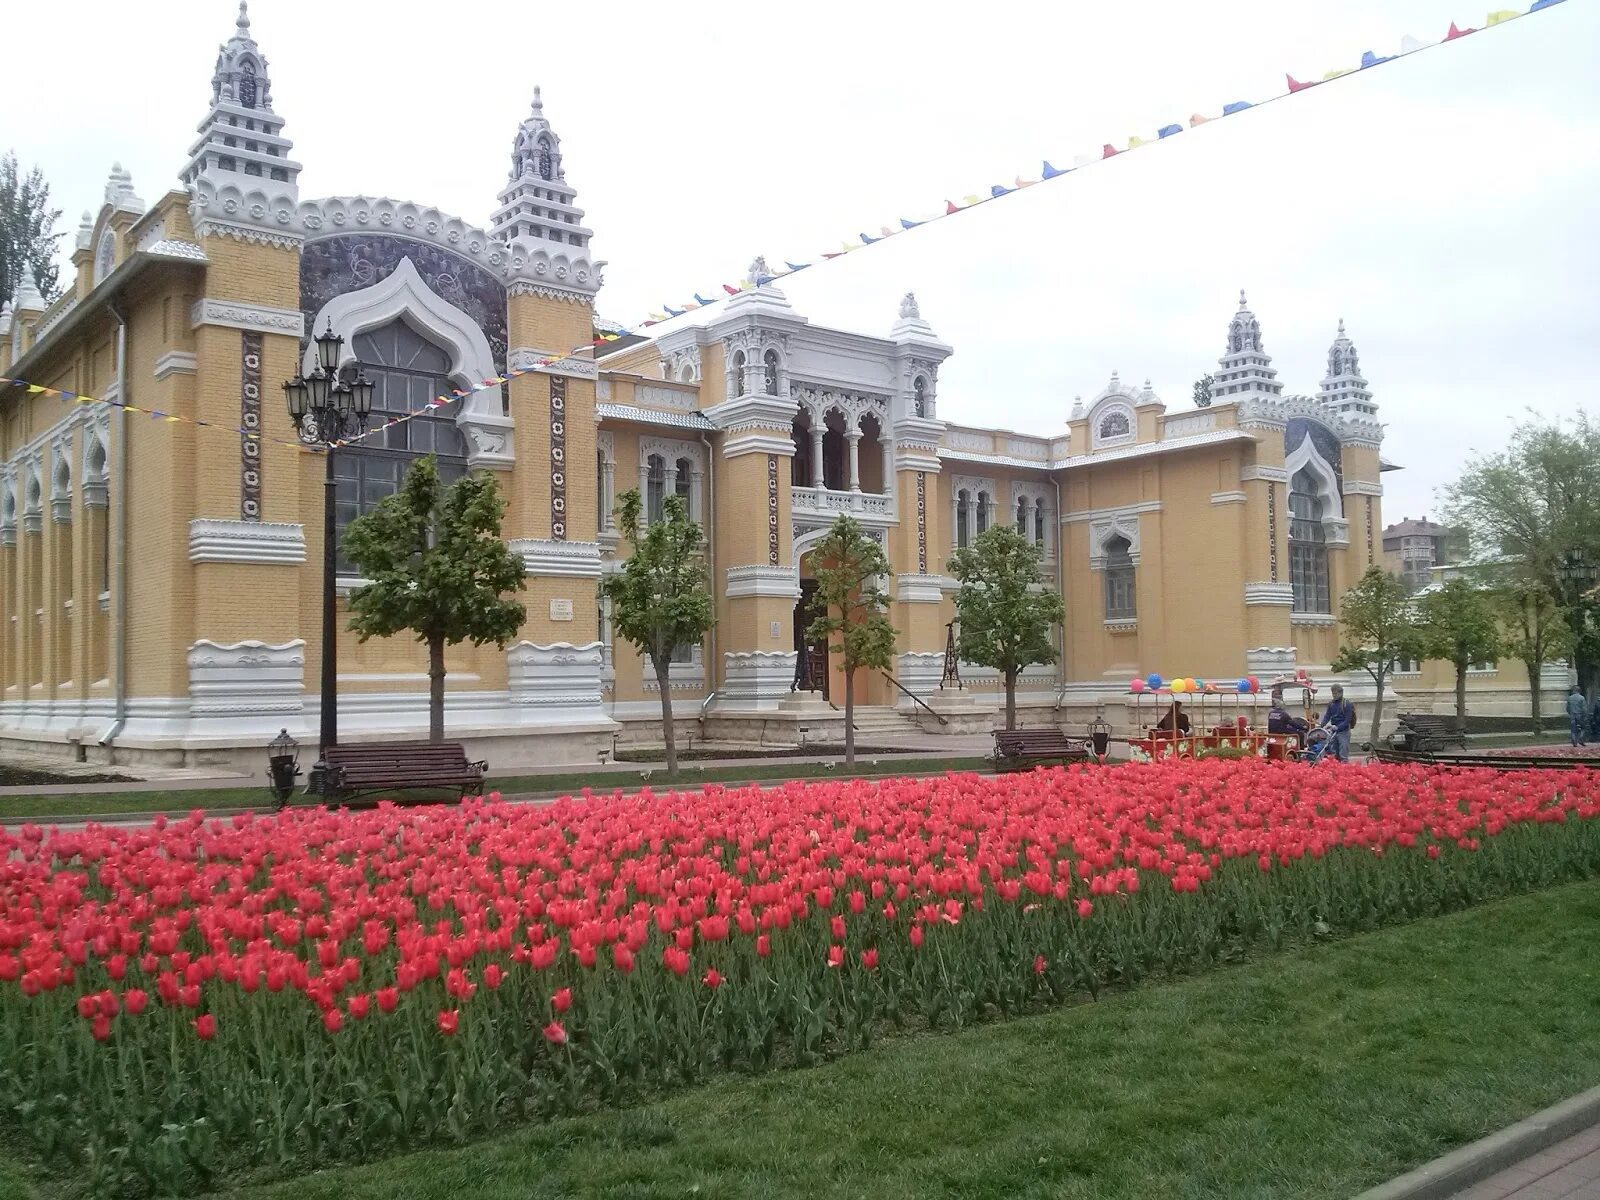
<point>1462,1168</point>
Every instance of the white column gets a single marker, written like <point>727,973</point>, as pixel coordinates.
<point>644,495</point>
<point>696,478</point>
<point>888,463</point>
<point>608,500</point>
<point>817,473</point>
<point>854,435</point>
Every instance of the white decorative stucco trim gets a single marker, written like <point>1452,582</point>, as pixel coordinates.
<point>1123,524</point>
<point>216,539</point>
<point>247,679</point>
<point>1122,626</point>
<point>1228,497</point>
<point>1121,510</point>
<point>1278,594</point>
<point>547,557</point>
<point>1317,620</point>
<point>763,580</point>
<point>757,411</point>
<point>1306,457</point>
<point>1362,487</point>
<point>175,362</point>
<point>1267,662</point>
<point>256,318</point>
<point>527,358</point>
<point>334,215</point>
<point>755,680</point>
<point>404,295</point>
<point>1265,474</point>
<point>919,672</point>
<point>559,675</point>
<point>758,443</point>
<point>919,589</point>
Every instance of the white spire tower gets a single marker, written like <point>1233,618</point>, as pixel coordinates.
<point>239,172</point>
<point>1246,369</point>
<point>537,216</point>
<point>1344,390</point>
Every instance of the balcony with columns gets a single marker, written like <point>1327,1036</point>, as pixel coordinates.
<point>843,463</point>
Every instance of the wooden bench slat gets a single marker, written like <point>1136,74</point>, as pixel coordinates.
<point>401,766</point>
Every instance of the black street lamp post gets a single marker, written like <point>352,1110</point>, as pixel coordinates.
<point>326,406</point>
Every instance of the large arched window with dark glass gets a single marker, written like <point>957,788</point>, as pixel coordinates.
<point>769,369</point>
<point>1122,598</point>
<point>407,371</point>
<point>963,519</point>
<point>655,487</point>
<point>1308,549</point>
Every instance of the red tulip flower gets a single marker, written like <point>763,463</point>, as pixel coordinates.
<point>1038,964</point>
<point>555,1034</point>
<point>869,959</point>
<point>492,976</point>
<point>101,1027</point>
<point>836,956</point>
<point>562,1000</point>
<point>134,1001</point>
<point>449,1020</point>
<point>712,979</point>
<point>205,1027</point>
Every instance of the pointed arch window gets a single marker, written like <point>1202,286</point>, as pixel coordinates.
<point>736,382</point>
<point>1115,425</point>
<point>683,483</point>
<point>655,487</point>
<point>1122,601</point>
<point>1308,550</point>
<point>963,519</point>
<point>247,86</point>
<point>985,509</point>
<point>919,396</point>
<point>407,372</point>
<point>769,368</point>
<point>546,161</point>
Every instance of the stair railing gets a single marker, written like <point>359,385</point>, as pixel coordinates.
<point>914,699</point>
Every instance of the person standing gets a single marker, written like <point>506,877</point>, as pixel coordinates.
<point>1341,717</point>
<point>1577,713</point>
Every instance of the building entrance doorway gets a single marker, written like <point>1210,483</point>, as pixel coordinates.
<point>811,657</point>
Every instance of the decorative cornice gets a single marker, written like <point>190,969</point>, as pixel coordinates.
<point>758,443</point>
<point>1275,594</point>
<point>253,317</point>
<point>1362,487</point>
<point>545,557</point>
<point>1320,620</point>
<point>175,362</point>
<point>1265,474</point>
<point>1121,510</point>
<point>919,589</point>
<point>1228,497</point>
<point>763,580</point>
<point>214,539</point>
<point>754,412</point>
<point>526,358</point>
<point>549,291</point>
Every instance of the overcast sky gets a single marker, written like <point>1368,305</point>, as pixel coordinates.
<point>1443,205</point>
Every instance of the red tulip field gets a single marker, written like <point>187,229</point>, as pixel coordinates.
<point>193,999</point>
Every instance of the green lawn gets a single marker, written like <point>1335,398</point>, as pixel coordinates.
<point>1312,1074</point>
<point>72,806</point>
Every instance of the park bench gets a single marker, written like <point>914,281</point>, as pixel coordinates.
<point>1015,747</point>
<point>1424,731</point>
<point>372,767</point>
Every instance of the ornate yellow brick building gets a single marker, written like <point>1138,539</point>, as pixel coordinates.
<point>160,600</point>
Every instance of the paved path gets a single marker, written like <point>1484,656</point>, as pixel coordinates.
<point>1569,1170</point>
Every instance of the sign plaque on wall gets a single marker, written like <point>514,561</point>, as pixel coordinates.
<point>561,610</point>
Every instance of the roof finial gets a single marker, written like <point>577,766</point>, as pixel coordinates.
<point>243,22</point>
<point>1341,326</point>
<point>909,309</point>
<point>538,104</point>
<point>1241,298</point>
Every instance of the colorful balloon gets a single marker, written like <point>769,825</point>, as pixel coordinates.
<point>1154,682</point>
<point>1244,686</point>
<point>1180,685</point>
<point>1255,684</point>
<point>1136,685</point>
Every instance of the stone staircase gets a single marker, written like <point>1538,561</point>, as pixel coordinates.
<point>875,721</point>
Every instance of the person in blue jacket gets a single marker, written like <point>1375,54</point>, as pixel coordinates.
<point>1341,716</point>
<point>1577,711</point>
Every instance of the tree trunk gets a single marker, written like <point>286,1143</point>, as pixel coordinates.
<point>436,687</point>
<point>1535,701</point>
<point>849,717</point>
<point>663,667</point>
<point>1461,697</point>
<point>1377,709</point>
<point>1011,699</point>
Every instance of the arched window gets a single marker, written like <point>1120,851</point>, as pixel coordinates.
<point>247,86</point>
<point>736,383</point>
<point>1115,425</point>
<point>1308,550</point>
<point>963,519</point>
<point>919,396</point>
<point>1121,594</point>
<point>985,504</point>
<point>407,372</point>
<point>1038,524</point>
<point>682,485</point>
<point>546,163</point>
<point>769,364</point>
<point>1024,526</point>
<point>655,487</point>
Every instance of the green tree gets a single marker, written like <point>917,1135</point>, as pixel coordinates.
<point>27,230</point>
<point>1380,627</point>
<point>1202,391</point>
<point>851,604</point>
<point>1536,632</point>
<point>1004,606</point>
<point>1459,625</point>
<point>1534,509</point>
<point>438,567</point>
<point>660,599</point>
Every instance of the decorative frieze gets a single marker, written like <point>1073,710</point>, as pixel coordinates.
<point>526,358</point>
<point>253,317</point>
<point>1228,497</point>
<point>546,557</point>
<point>766,580</point>
<point>250,423</point>
<point>922,522</point>
<point>756,679</point>
<point>215,539</point>
<point>245,679</point>
<point>1268,662</point>
<point>557,676</point>
<point>1274,594</point>
<point>558,457</point>
<point>772,511</point>
<point>175,362</point>
<point>1272,531</point>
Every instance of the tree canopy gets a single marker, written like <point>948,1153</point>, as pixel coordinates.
<point>1379,625</point>
<point>851,609</point>
<point>660,598</point>
<point>28,233</point>
<point>1005,609</point>
<point>436,566</point>
<point>1459,624</point>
